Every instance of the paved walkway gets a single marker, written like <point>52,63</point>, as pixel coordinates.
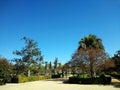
<point>54,85</point>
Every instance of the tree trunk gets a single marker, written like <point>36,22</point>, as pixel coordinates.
<point>28,73</point>
<point>91,70</point>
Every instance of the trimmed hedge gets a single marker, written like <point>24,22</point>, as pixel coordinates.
<point>115,76</point>
<point>22,79</point>
<point>99,80</point>
<point>56,76</point>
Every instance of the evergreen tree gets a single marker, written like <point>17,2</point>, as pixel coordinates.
<point>30,55</point>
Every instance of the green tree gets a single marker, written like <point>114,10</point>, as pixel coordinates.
<point>50,68</point>
<point>55,65</point>
<point>93,52</point>
<point>116,59</point>
<point>5,69</point>
<point>65,67</point>
<point>46,68</point>
<point>90,52</point>
<point>30,55</point>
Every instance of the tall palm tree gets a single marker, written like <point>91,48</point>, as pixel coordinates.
<point>91,41</point>
<point>92,49</point>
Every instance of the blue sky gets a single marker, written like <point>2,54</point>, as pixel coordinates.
<point>58,25</point>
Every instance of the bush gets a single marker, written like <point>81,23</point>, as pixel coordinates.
<point>56,76</point>
<point>99,80</point>
<point>21,79</point>
<point>105,79</point>
<point>115,76</point>
<point>83,75</point>
<point>31,78</point>
<point>74,79</point>
<point>41,77</point>
<point>48,77</point>
<point>14,80</point>
<point>2,81</point>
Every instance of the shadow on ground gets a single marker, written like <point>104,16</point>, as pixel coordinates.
<point>56,79</point>
<point>116,84</point>
<point>66,81</point>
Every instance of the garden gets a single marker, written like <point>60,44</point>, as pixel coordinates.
<point>89,64</point>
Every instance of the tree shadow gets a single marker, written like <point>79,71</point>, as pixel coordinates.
<point>66,81</point>
<point>56,79</point>
<point>116,84</point>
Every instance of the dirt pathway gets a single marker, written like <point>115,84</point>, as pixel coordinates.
<point>54,85</point>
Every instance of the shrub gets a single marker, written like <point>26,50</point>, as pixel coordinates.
<point>105,79</point>
<point>2,81</point>
<point>83,75</point>
<point>116,75</point>
<point>56,76</point>
<point>99,80</point>
<point>48,77</point>
<point>31,78</point>
<point>14,80</point>
<point>21,79</point>
<point>41,77</point>
<point>74,79</point>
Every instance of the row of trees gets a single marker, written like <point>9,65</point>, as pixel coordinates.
<point>9,70</point>
<point>30,62</point>
<point>90,57</point>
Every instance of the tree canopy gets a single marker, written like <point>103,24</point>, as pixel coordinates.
<point>30,55</point>
<point>90,54</point>
<point>116,59</point>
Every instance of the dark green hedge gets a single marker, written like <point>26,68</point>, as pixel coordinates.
<point>115,76</point>
<point>56,76</point>
<point>98,80</point>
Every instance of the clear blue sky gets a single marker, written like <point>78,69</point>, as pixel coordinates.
<point>58,25</point>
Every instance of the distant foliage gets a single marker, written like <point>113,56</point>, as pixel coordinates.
<point>22,79</point>
<point>116,59</point>
<point>5,69</point>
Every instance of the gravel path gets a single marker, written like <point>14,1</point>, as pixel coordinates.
<point>54,85</point>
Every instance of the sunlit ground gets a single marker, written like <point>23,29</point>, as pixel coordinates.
<point>56,85</point>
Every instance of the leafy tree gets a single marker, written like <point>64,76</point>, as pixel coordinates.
<point>65,67</point>
<point>30,55</point>
<point>77,63</point>
<point>109,65</point>
<point>59,67</point>
<point>55,65</point>
<point>90,54</point>
<point>93,52</point>
<point>5,69</point>
<point>46,68</point>
<point>116,59</point>
<point>50,68</point>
